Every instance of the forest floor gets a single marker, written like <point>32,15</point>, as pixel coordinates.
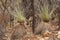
<point>24,32</point>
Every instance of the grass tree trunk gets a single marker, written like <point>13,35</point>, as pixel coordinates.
<point>33,15</point>
<point>29,11</point>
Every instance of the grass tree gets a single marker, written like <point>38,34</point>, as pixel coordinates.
<point>46,13</point>
<point>18,12</point>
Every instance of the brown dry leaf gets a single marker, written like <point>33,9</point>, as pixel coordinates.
<point>47,34</point>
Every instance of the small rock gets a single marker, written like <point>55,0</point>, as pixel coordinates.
<point>58,33</point>
<point>46,38</point>
<point>28,39</point>
<point>58,36</point>
<point>41,39</point>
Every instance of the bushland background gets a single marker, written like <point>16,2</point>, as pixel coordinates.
<point>29,19</point>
